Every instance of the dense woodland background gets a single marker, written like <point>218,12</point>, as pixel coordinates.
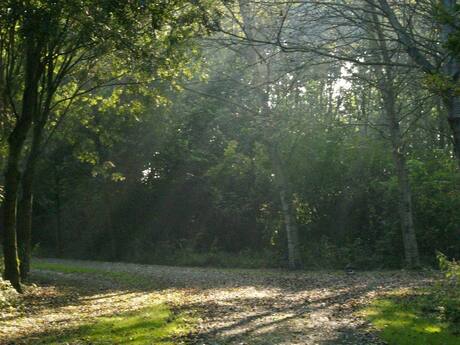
<point>235,133</point>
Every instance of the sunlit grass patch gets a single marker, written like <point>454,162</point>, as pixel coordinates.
<point>408,319</point>
<point>155,324</point>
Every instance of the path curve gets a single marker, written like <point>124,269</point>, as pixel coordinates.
<point>255,307</point>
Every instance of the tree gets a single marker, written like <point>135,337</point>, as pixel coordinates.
<point>63,44</point>
<point>256,57</point>
<point>386,83</point>
<point>444,74</point>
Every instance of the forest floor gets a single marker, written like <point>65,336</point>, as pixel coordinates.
<point>78,302</point>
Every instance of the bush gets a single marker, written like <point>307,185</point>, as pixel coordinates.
<point>447,290</point>
<point>8,295</point>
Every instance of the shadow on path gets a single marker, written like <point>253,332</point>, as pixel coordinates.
<point>236,306</point>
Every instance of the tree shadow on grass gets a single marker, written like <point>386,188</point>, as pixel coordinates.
<point>64,291</point>
<point>155,324</point>
<point>294,324</point>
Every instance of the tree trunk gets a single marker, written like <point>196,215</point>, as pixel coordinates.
<point>452,71</point>
<point>387,90</point>
<point>441,124</point>
<point>261,79</point>
<point>12,175</point>
<point>411,254</point>
<point>109,223</point>
<point>290,223</point>
<point>451,66</point>
<point>25,209</point>
<point>57,196</point>
<point>452,103</point>
<point>24,226</point>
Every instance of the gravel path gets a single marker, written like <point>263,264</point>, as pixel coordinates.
<point>234,306</point>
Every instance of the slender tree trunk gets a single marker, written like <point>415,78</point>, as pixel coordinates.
<point>109,223</point>
<point>441,124</point>
<point>25,207</point>
<point>411,254</point>
<point>25,210</point>
<point>452,71</point>
<point>261,79</point>
<point>290,223</point>
<point>387,90</point>
<point>452,103</point>
<point>451,67</point>
<point>12,175</point>
<point>24,226</point>
<point>57,196</point>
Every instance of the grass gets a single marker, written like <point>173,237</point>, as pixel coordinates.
<point>122,277</point>
<point>155,324</point>
<point>404,319</point>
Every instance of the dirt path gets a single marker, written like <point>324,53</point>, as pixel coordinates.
<point>235,306</point>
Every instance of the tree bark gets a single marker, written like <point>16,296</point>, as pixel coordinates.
<point>387,90</point>
<point>57,196</point>
<point>411,254</point>
<point>452,103</point>
<point>25,207</point>
<point>24,226</point>
<point>109,223</point>
<point>25,210</point>
<point>256,59</point>
<point>290,223</point>
<point>442,123</point>
<point>12,175</point>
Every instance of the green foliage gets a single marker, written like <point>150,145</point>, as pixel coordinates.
<point>451,269</point>
<point>449,16</point>
<point>430,316</point>
<point>409,319</point>
<point>436,186</point>
<point>447,290</point>
<point>8,295</point>
<point>174,166</point>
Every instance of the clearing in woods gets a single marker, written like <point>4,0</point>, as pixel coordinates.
<point>82,302</point>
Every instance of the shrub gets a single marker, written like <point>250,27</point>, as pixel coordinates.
<point>8,295</point>
<point>447,290</point>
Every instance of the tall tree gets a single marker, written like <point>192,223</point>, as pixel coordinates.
<point>386,84</point>
<point>64,44</point>
<point>444,73</point>
<point>257,58</point>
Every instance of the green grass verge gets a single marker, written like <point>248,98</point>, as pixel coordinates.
<point>122,277</point>
<point>155,324</point>
<point>412,319</point>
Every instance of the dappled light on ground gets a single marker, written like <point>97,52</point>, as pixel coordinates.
<point>86,302</point>
<point>151,325</point>
<point>405,323</point>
